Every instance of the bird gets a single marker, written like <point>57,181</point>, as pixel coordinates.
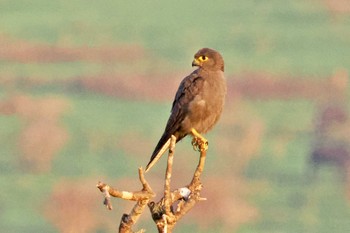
<point>197,105</point>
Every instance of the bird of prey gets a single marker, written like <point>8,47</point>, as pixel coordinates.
<point>198,103</point>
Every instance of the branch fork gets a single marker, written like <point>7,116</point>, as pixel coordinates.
<point>163,213</point>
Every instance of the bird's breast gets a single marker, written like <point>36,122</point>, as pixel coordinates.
<point>206,107</point>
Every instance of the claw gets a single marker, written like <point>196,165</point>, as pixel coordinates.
<point>195,144</point>
<point>199,143</point>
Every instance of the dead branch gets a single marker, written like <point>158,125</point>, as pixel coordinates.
<point>163,212</point>
<point>169,169</point>
<point>141,197</point>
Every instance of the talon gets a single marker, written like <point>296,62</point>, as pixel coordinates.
<point>199,144</point>
<point>195,144</point>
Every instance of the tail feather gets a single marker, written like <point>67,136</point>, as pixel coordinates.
<point>161,147</point>
<point>158,152</point>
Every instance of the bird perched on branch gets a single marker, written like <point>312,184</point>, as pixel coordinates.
<point>198,103</point>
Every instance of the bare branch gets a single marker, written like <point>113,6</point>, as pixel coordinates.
<point>163,213</point>
<point>105,189</point>
<point>167,193</point>
<point>141,197</point>
<point>195,188</point>
<point>199,169</point>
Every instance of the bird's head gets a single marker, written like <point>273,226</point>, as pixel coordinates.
<point>208,59</point>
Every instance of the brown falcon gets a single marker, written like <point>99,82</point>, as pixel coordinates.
<point>197,105</point>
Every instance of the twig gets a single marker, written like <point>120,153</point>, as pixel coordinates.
<point>141,197</point>
<point>199,169</point>
<point>195,188</point>
<point>162,212</point>
<point>105,190</point>
<point>169,169</point>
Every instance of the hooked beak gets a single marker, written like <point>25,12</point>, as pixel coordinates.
<point>196,62</point>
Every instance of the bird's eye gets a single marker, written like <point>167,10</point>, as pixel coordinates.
<point>203,58</point>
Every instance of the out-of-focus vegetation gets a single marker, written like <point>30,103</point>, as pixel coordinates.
<point>86,89</point>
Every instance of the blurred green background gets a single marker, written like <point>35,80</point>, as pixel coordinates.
<point>86,89</point>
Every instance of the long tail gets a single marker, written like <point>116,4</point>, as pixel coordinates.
<point>162,146</point>
<point>158,152</point>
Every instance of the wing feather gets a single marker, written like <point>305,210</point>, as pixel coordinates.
<point>189,88</point>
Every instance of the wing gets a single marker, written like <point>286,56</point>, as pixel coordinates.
<point>189,88</point>
<point>187,91</point>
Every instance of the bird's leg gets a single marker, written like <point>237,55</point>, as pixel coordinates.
<point>199,142</point>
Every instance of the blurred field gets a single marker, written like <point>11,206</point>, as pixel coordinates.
<point>86,89</point>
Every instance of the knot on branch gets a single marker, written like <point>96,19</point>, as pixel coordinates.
<point>158,210</point>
